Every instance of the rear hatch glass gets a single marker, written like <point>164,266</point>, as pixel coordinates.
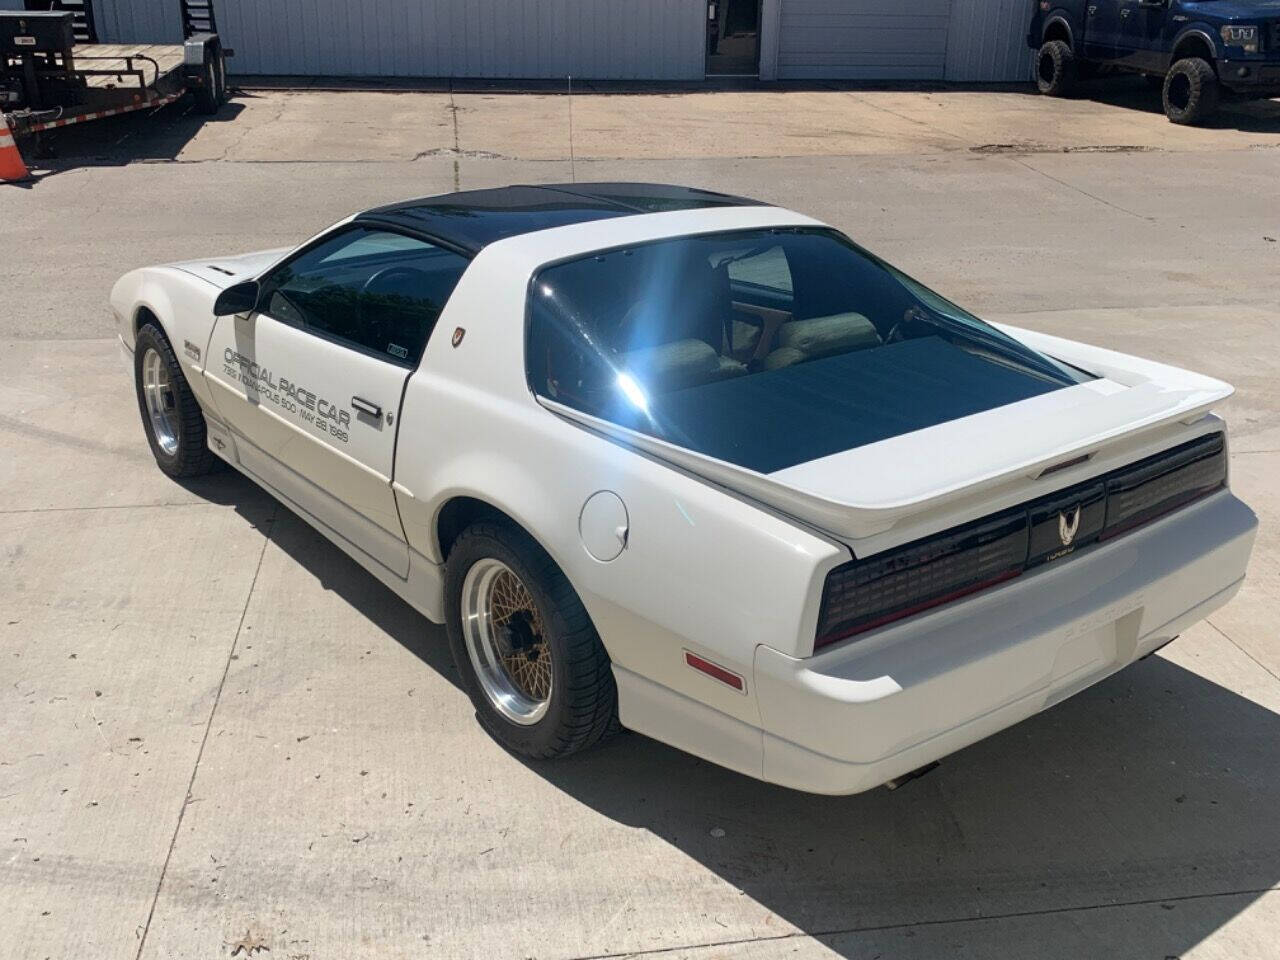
<point>767,348</point>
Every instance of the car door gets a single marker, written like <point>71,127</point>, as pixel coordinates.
<point>1102,28</point>
<point>1131,33</point>
<point>311,382</point>
<point>1143,35</point>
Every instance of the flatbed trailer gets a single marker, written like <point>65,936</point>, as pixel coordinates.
<point>54,73</point>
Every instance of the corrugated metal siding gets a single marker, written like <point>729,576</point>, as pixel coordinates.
<point>592,39</point>
<point>988,40</point>
<point>138,21</point>
<point>130,21</point>
<point>863,39</point>
<point>963,40</point>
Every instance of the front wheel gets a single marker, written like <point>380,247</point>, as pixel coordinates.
<point>1190,91</point>
<point>529,656</point>
<point>171,415</point>
<point>1055,69</point>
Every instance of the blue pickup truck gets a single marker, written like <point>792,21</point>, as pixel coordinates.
<point>1196,50</point>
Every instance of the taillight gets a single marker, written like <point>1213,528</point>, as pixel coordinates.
<point>865,594</point>
<point>1152,487</point>
<point>871,592</point>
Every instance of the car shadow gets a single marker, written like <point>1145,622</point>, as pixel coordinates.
<point>332,569</point>
<point>1156,789</point>
<point>1133,93</point>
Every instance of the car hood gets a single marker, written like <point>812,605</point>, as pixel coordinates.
<point>893,491</point>
<point>222,272</point>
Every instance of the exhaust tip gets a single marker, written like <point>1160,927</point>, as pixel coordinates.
<point>915,774</point>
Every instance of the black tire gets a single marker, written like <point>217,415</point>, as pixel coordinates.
<point>192,456</point>
<point>583,704</point>
<point>1055,69</point>
<point>212,92</point>
<point>1191,91</point>
<point>220,69</point>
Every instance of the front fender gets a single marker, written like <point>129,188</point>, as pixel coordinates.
<point>183,306</point>
<point>1200,30</point>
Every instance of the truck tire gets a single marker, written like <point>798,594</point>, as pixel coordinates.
<point>529,656</point>
<point>171,416</point>
<point>1055,69</point>
<point>212,92</point>
<point>1190,91</point>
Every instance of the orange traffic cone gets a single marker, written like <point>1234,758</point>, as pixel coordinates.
<point>11,165</point>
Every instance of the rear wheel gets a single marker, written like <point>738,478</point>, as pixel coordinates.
<point>171,416</point>
<point>529,656</point>
<point>212,92</point>
<point>1190,91</point>
<point>1055,69</point>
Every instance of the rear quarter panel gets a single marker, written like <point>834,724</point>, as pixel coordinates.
<point>702,569</point>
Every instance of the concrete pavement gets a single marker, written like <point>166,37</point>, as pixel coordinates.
<point>216,729</point>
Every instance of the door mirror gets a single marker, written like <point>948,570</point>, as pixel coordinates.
<point>239,298</point>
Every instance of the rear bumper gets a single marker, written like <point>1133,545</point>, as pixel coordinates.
<point>879,706</point>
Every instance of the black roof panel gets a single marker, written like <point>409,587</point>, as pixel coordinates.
<point>473,219</point>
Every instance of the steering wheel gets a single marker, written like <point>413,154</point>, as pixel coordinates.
<point>386,273</point>
<point>393,271</point>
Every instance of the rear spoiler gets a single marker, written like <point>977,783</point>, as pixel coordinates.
<point>905,487</point>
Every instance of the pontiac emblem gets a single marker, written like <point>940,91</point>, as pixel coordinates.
<point>1067,528</point>
<point>458,334</point>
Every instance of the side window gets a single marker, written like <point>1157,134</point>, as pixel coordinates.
<point>767,272</point>
<point>377,291</point>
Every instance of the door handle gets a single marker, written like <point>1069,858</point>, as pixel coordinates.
<point>364,406</point>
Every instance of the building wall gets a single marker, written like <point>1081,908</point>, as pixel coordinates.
<point>138,21</point>
<point>987,40</point>
<point>622,39</point>
<point>863,39</point>
<point>959,40</point>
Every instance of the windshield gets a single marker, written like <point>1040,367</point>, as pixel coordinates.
<point>767,348</point>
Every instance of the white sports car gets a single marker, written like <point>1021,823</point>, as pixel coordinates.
<point>700,466</point>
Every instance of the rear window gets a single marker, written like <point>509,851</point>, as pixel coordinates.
<point>767,348</point>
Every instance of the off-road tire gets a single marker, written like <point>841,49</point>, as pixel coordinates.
<point>1190,91</point>
<point>193,457</point>
<point>1056,70</point>
<point>583,704</point>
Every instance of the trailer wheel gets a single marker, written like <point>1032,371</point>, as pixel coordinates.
<point>212,92</point>
<point>221,60</point>
<point>1190,91</point>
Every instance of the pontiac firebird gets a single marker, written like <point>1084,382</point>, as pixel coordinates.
<point>700,467</point>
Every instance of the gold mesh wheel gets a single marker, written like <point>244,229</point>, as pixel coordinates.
<point>506,640</point>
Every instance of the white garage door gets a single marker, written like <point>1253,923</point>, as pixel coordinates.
<point>863,39</point>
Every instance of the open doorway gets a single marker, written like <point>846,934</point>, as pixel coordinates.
<point>733,38</point>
